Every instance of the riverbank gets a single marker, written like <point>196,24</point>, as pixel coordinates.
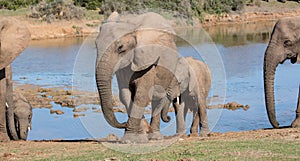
<point>266,11</point>
<point>276,144</point>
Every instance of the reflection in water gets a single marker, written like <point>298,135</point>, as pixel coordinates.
<point>241,47</point>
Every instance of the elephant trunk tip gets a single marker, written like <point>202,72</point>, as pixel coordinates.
<point>166,119</point>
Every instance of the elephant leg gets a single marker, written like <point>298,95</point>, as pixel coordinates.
<point>204,128</point>
<point>140,85</point>
<point>195,124</point>
<point>180,118</point>
<point>3,130</point>
<point>296,122</point>
<point>10,109</point>
<point>155,122</point>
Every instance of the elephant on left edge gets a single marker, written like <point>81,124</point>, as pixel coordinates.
<point>22,114</point>
<point>14,38</point>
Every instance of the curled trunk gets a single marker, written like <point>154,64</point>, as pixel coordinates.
<point>165,110</point>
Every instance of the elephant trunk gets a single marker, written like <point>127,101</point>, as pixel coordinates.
<point>10,105</point>
<point>173,91</point>
<point>165,110</point>
<point>270,63</point>
<point>104,74</point>
<point>23,125</point>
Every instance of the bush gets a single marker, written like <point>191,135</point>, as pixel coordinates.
<point>89,4</point>
<point>15,4</point>
<point>222,6</point>
<point>57,9</point>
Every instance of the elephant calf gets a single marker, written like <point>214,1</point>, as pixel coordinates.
<point>195,80</point>
<point>22,117</point>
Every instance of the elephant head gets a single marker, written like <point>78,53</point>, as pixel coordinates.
<point>284,44</point>
<point>14,38</point>
<point>188,82</point>
<point>140,41</point>
<point>22,115</point>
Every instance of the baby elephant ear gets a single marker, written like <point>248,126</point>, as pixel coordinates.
<point>14,38</point>
<point>193,79</point>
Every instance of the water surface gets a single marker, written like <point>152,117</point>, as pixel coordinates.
<point>234,53</point>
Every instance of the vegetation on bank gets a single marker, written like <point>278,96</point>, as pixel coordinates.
<point>241,149</point>
<point>64,9</point>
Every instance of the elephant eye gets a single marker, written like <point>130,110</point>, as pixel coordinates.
<point>287,43</point>
<point>120,49</point>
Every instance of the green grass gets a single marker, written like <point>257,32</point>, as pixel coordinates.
<point>18,12</point>
<point>93,15</point>
<point>260,149</point>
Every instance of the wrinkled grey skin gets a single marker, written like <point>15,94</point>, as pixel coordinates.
<point>284,44</point>
<point>145,44</point>
<point>195,80</point>
<point>22,116</point>
<point>14,38</point>
<point>123,78</point>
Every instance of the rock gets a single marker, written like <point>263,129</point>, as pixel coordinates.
<point>81,109</point>
<point>58,112</point>
<point>78,115</point>
<point>122,110</point>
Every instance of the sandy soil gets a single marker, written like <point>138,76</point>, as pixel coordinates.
<point>18,150</point>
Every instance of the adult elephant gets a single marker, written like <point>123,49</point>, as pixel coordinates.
<point>14,38</point>
<point>195,80</point>
<point>146,44</point>
<point>284,44</point>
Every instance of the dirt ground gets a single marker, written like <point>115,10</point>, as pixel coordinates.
<point>59,149</point>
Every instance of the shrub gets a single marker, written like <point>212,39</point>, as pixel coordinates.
<point>15,4</point>
<point>223,6</point>
<point>57,9</point>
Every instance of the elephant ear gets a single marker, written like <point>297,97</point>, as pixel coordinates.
<point>14,38</point>
<point>193,78</point>
<point>155,43</point>
<point>182,74</point>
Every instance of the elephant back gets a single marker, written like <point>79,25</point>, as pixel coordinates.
<point>14,38</point>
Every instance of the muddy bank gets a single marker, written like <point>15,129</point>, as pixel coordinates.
<point>42,97</point>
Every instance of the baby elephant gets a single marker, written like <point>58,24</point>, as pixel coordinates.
<point>195,80</point>
<point>22,116</point>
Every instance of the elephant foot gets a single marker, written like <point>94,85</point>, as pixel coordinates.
<point>194,134</point>
<point>155,136</point>
<point>132,138</point>
<point>145,126</point>
<point>296,123</point>
<point>4,137</point>
<point>180,133</point>
<point>204,132</point>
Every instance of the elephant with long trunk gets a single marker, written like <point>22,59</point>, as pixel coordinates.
<point>284,44</point>
<point>14,38</point>
<point>145,44</point>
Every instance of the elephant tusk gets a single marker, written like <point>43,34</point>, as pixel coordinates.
<point>6,105</point>
<point>177,100</point>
